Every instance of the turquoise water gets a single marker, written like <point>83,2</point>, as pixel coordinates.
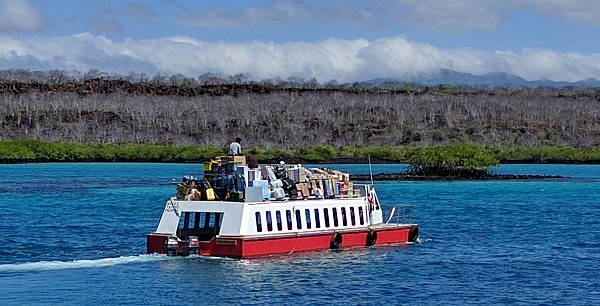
<point>75,234</point>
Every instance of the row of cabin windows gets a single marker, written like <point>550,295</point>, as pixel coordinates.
<point>279,224</point>
<point>201,220</point>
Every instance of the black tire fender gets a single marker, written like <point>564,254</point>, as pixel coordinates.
<point>336,241</point>
<point>413,235</point>
<point>371,238</point>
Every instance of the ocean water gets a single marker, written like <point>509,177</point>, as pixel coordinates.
<point>74,233</point>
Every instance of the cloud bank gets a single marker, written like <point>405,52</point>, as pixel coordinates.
<point>20,16</point>
<point>483,15</point>
<point>326,60</point>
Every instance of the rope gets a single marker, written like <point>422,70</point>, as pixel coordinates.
<point>295,243</point>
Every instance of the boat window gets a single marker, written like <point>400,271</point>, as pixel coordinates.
<point>344,219</point>
<point>317,219</point>
<point>352,216</point>
<point>206,220</point>
<point>307,213</point>
<point>279,223</point>
<point>258,222</point>
<point>298,219</point>
<point>197,220</point>
<point>288,215</point>
<point>269,222</point>
<point>361,216</point>
<point>326,216</point>
<point>217,220</point>
<point>185,223</point>
<point>335,217</point>
<point>205,224</point>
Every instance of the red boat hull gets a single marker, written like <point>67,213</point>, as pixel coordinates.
<point>248,247</point>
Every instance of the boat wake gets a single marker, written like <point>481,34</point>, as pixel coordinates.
<point>80,264</point>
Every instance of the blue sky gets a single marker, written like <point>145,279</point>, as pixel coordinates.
<point>346,41</point>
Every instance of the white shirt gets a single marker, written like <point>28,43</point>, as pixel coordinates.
<point>235,148</point>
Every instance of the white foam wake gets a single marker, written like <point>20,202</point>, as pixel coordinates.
<point>79,264</point>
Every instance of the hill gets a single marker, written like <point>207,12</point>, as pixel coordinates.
<point>180,111</point>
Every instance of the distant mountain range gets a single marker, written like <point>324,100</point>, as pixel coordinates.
<point>451,77</point>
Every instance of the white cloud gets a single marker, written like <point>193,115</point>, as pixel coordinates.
<point>342,60</point>
<point>438,15</point>
<point>20,16</point>
<point>443,15</point>
<point>274,13</point>
<point>283,12</point>
<point>580,11</point>
<point>451,15</point>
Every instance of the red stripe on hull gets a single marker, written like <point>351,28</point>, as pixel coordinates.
<point>396,236</point>
<point>239,247</point>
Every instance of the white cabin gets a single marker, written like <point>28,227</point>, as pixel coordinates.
<point>207,219</point>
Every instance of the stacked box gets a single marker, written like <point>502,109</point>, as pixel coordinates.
<point>297,174</point>
<point>330,187</point>
<point>302,189</point>
<point>327,188</point>
<point>238,159</point>
<point>299,188</point>
<point>264,185</point>
<point>335,174</point>
<point>335,186</point>
<point>182,191</point>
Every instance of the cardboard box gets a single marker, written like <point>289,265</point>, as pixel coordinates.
<point>302,189</point>
<point>238,159</point>
<point>298,174</point>
<point>305,191</point>
<point>182,191</point>
<point>332,186</point>
<point>320,183</point>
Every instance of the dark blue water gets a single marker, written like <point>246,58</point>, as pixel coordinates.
<point>75,234</point>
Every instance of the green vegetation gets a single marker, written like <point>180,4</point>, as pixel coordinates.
<point>546,155</point>
<point>424,160</point>
<point>452,161</point>
<point>38,151</point>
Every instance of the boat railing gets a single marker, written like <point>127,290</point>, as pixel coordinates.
<point>400,214</point>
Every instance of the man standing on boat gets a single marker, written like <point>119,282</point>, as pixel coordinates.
<point>253,160</point>
<point>235,148</point>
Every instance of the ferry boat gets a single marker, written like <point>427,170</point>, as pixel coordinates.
<point>234,211</point>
